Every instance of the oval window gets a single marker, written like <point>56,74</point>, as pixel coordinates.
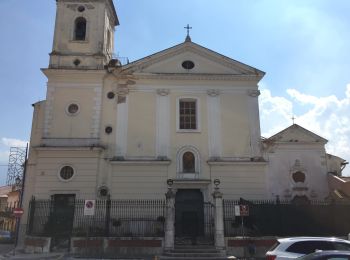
<point>299,177</point>
<point>188,65</point>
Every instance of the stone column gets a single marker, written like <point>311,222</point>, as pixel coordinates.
<point>219,220</point>
<point>169,220</point>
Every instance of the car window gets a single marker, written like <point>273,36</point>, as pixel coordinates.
<point>337,258</point>
<point>274,246</point>
<point>342,246</point>
<point>308,247</point>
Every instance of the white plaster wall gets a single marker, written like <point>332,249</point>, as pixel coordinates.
<point>312,159</point>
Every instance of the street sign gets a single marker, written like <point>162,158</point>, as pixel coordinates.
<point>18,212</point>
<point>89,207</point>
<point>237,211</point>
<point>244,210</point>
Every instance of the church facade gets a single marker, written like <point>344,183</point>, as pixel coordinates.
<point>185,114</point>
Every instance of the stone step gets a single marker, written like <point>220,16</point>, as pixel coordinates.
<point>194,247</point>
<point>198,252</point>
<point>193,250</point>
<point>192,254</point>
<point>193,258</point>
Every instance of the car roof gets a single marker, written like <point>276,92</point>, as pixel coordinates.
<point>294,239</point>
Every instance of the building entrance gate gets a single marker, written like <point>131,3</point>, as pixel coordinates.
<point>61,220</point>
<point>194,219</point>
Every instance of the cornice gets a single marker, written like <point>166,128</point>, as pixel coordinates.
<point>183,76</point>
<point>69,148</point>
<point>68,74</point>
<point>140,65</point>
<point>247,163</point>
<point>110,6</point>
<point>140,162</point>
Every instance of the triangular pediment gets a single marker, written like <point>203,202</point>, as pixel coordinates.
<point>297,134</point>
<point>205,61</point>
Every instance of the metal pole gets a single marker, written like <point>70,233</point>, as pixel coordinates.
<point>23,178</point>
<point>20,197</point>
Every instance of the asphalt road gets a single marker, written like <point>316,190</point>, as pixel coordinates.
<point>5,248</point>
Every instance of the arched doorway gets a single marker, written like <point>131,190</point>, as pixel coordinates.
<point>189,213</point>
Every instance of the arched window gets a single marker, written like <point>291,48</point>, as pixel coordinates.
<point>80,29</point>
<point>188,162</point>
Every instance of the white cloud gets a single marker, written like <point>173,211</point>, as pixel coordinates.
<point>4,157</point>
<point>12,142</point>
<point>275,113</point>
<point>328,117</point>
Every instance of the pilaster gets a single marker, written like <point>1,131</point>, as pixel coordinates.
<point>219,219</point>
<point>169,220</point>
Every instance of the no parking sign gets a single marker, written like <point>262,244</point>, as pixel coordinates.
<point>89,207</point>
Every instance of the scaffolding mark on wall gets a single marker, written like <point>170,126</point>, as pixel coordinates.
<point>16,164</point>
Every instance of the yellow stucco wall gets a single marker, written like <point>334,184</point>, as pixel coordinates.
<point>141,124</point>
<point>235,125</point>
<point>72,126</point>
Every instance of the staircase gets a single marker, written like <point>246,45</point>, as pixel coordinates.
<point>194,252</point>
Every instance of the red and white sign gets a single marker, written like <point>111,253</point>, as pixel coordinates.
<point>242,210</point>
<point>18,212</point>
<point>89,207</point>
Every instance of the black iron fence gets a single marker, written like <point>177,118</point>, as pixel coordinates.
<point>282,218</point>
<point>117,218</point>
<point>209,218</point>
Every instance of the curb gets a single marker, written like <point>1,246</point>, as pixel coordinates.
<point>32,256</point>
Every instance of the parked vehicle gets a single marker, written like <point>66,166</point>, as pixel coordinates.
<point>5,236</point>
<point>327,255</point>
<point>294,247</point>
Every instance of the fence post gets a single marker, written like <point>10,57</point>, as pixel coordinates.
<point>31,215</point>
<point>169,220</point>
<point>108,215</point>
<point>219,219</point>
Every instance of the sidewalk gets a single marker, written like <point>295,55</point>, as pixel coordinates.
<point>51,256</point>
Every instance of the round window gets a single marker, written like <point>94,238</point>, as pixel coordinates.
<point>66,172</point>
<point>110,95</point>
<point>108,129</point>
<point>188,65</point>
<point>81,8</point>
<point>73,109</point>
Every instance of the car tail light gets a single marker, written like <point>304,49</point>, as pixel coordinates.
<point>270,257</point>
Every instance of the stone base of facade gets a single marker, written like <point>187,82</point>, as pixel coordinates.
<point>37,244</point>
<point>121,246</point>
<point>244,247</point>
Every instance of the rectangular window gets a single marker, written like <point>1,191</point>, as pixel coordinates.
<point>188,114</point>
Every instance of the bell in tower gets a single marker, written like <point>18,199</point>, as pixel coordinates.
<point>84,34</point>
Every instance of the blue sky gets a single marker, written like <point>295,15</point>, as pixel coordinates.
<point>302,45</point>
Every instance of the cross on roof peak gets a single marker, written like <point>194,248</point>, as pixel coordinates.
<point>188,38</point>
<point>293,118</point>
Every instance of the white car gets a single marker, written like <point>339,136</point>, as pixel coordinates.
<point>294,247</point>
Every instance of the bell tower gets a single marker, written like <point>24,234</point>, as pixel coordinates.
<point>84,33</point>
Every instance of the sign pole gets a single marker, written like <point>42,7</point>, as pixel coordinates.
<point>242,217</point>
<point>17,212</point>
<point>16,238</point>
